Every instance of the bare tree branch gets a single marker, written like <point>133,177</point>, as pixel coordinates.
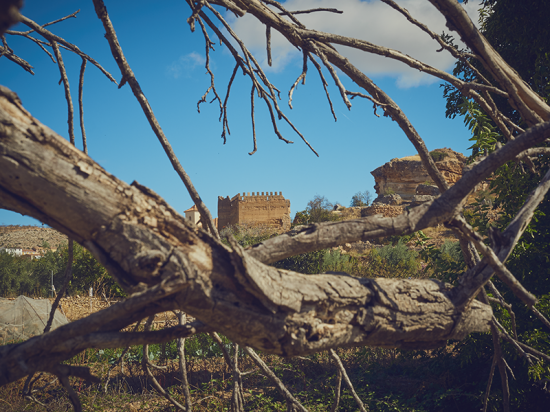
<point>342,370</point>
<point>128,76</point>
<point>291,401</point>
<point>8,52</point>
<point>52,37</point>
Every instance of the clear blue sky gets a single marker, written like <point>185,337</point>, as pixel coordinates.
<point>168,61</point>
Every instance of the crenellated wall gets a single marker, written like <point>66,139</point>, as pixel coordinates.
<point>265,208</point>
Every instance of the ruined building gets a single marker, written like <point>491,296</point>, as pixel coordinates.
<point>268,209</point>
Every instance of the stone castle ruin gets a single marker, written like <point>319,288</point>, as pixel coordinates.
<point>265,208</point>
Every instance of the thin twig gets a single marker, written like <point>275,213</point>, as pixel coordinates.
<point>489,383</point>
<point>8,52</point>
<point>337,390</point>
<point>52,37</point>
<point>332,72</point>
<point>364,96</point>
<point>208,45</point>
<point>290,400</point>
<point>145,363</point>
<point>340,366</point>
<point>68,97</point>
<point>225,123</point>
<point>301,78</point>
<point>253,121</point>
<point>268,44</point>
<point>311,11</point>
<point>45,25</point>
<point>183,365</point>
<point>505,305</point>
<point>324,82</point>
<point>66,281</point>
<point>81,105</point>
<point>502,272</point>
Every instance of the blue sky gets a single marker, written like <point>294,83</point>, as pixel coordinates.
<point>168,61</point>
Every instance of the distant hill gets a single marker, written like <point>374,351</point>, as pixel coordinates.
<point>30,237</point>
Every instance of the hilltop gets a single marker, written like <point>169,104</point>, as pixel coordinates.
<point>30,237</point>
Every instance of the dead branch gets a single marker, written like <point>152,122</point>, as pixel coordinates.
<point>52,37</point>
<point>8,52</point>
<point>337,390</point>
<point>145,363</point>
<point>23,33</point>
<point>301,78</point>
<point>225,123</point>
<point>182,317</point>
<point>330,10</point>
<point>253,120</point>
<point>66,280</point>
<point>250,70</point>
<point>489,383</point>
<point>502,272</point>
<point>208,45</point>
<point>237,399</point>
<point>65,80</point>
<point>324,82</point>
<point>332,72</point>
<point>128,76</point>
<point>343,372</point>
<point>532,109</point>
<point>81,105</point>
<point>291,401</point>
<point>476,277</point>
<point>268,44</point>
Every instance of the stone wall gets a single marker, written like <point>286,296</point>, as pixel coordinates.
<point>382,209</point>
<point>261,208</point>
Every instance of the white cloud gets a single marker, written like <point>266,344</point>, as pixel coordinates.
<point>185,64</point>
<point>372,21</point>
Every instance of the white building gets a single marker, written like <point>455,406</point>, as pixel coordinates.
<point>15,251</point>
<point>193,215</point>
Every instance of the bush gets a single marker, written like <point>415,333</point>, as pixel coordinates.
<point>399,255</point>
<point>437,156</point>
<point>248,234</point>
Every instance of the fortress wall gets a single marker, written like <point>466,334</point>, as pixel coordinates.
<point>228,212</point>
<point>262,208</point>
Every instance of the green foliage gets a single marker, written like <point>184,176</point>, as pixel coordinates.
<point>484,134</point>
<point>22,276</point>
<point>309,263</point>
<point>335,261</point>
<point>437,156</point>
<point>445,263</point>
<point>399,256</point>
<point>361,199</point>
<point>247,234</point>
<point>319,209</point>
<point>302,218</point>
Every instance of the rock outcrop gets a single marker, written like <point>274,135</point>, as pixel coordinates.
<point>403,176</point>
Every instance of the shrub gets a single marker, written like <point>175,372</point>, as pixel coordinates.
<point>437,156</point>
<point>248,234</point>
<point>399,255</point>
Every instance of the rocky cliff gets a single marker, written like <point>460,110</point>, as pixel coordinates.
<point>403,176</point>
